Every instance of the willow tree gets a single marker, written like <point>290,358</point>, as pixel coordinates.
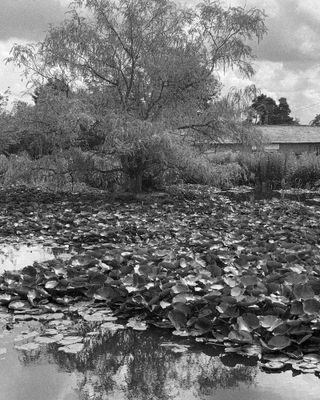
<point>148,60</point>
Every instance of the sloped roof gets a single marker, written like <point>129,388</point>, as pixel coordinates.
<point>290,134</point>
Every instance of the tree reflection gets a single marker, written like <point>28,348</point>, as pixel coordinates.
<point>133,365</point>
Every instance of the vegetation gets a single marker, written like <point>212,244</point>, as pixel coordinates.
<point>315,121</point>
<point>203,266</point>
<point>121,83</point>
<point>268,112</point>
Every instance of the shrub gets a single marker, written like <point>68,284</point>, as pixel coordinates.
<point>306,172</point>
<point>261,168</point>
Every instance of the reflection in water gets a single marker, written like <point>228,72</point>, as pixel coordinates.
<point>130,365</point>
<point>17,256</point>
<point>133,365</point>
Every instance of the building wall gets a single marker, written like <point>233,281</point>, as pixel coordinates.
<point>297,148</point>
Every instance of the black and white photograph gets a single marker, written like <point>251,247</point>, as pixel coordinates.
<point>159,200</point>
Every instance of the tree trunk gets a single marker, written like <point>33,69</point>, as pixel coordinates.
<point>136,183</point>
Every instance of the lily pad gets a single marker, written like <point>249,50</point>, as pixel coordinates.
<point>279,342</point>
<point>27,347</point>
<point>72,348</point>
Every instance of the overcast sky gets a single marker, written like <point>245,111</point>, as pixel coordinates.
<point>287,64</point>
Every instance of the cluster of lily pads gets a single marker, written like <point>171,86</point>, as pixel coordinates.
<point>242,275</point>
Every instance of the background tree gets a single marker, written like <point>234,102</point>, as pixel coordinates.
<point>315,121</point>
<point>145,60</point>
<point>270,113</point>
<point>282,113</point>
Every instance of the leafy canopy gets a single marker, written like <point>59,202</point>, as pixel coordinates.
<point>149,58</point>
<point>271,113</point>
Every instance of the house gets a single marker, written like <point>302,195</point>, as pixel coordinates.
<point>278,138</point>
<point>296,139</point>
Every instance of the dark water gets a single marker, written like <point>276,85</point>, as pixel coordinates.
<point>135,365</point>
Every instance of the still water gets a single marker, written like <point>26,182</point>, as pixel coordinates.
<point>135,365</point>
<point>16,256</point>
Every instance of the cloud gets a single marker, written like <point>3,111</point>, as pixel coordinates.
<point>29,19</point>
<point>10,75</point>
<point>293,37</point>
<point>300,88</point>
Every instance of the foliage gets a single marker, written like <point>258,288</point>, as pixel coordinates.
<point>315,121</point>
<point>306,172</point>
<point>271,113</point>
<point>281,170</point>
<point>244,277</point>
<point>266,168</point>
<point>146,55</point>
<point>145,68</point>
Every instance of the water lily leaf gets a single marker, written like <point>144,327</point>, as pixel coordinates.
<point>236,291</point>
<point>311,306</point>
<point>227,310</point>
<point>276,357</point>
<point>296,308</point>
<point>182,333</point>
<point>203,325</point>
<point>251,350</point>
<point>72,348</point>
<point>230,281</point>
<point>269,322</point>
<point>240,336</point>
<point>51,332</point>
<point>68,340</point>
<point>26,337</point>
<point>300,330</point>
<point>5,299</point>
<point>107,293</point>
<point>274,365</point>
<point>281,329</point>
<point>249,280</point>
<point>180,288</point>
<point>185,308</point>
<point>312,358</point>
<point>279,342</point>
<point>48,339</point>
<point>51,317</point>
<point>137,324</point>
<point>3,351</point>
<point>303,292</point>
<point>178,319</point>
<point>19,305</point>
<point>185,298</point>
<point>252,320</point>
<point>303,339</point>
<point>164,304</point>
<point>27,347</point>
<point>111,326</point>
<point>175,348</point>
<point>98,316</point>
<point>51,284</point>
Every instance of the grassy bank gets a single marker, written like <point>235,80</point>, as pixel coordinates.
<point>79,171</point>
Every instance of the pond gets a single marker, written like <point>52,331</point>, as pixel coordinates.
<point>128,364</point>
<point>15,256</point>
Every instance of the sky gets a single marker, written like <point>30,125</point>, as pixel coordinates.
<point>287,60</point>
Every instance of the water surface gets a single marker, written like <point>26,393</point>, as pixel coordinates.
<point>136,365</point>
<point>15,256</point>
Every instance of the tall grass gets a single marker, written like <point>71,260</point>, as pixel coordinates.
<point>280,170</point>
<point>306,173</point>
